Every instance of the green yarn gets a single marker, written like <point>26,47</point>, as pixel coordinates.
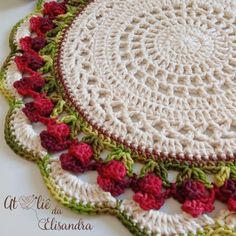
<point>48,64</point>
<point>49,49</point>
<point>195,174</point>
<point>148,167</point>
<point>96,144</point>
<point>158,168</point>
<point>222,175</point>
<point>58,109</point>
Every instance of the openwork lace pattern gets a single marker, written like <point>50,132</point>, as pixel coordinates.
<point>157,75</point>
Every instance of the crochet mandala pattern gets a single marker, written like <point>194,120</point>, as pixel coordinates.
<point>130,90</point>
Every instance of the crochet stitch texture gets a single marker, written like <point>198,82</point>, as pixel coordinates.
<point>119,83</point>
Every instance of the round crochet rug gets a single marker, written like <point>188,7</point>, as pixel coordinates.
<point>138,93</point>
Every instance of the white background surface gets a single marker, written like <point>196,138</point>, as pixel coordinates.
<point>21,177</point>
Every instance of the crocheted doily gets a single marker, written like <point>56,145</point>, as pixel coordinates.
<point>140,95</point>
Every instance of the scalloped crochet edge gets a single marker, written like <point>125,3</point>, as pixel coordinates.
<point>42,163</point>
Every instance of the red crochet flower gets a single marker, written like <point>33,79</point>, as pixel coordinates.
<point>44,106</point>
<point>111,177</point>
<point>41,25</point>
<point>150,184</point>
<point>195,197</point>
<point>29,62</point>
<point>27,43</point>
<point>40,107</point>
<point>148,192</point>
<point>190,190</point>
<point>114,187</point>
<point>31,112</point>
<point>51,144</point>
<point>148,201</point>
<point>70,163</point>
<point>114,170</point>
<point>59,131</point>
<point>227,193</point>
<point>232,204</point>
<point>34,82</point>
<point>196,207</point>
<point>78,159</point>
<point>53,9</point>
<point>82,152</point>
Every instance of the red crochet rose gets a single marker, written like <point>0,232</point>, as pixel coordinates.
<point>196,207</point>
<point>190,190</point>
<point>232,204</point>
<point>81,151</point>
<point>195,197</point>
<point>149,193</point>
<point>31,112</point>
<point>148,201</point>
<point>34,82</point>
<point>227,193</point>
<point>59,131</point>
<point>114,187</point>
<point>44,106</point>
<point>29,62</point>
<point>151,184</point>
<point>111,177</point>
<point>53,9</point>
<point>41,25</point>
<point>27,43</point>
<point>40,107</point>
<point>70,163</point>
<point>114,170</point>
<point>78,159</point>
<point>51,144</point>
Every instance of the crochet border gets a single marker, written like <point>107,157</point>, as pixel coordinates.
<point>210,167</point>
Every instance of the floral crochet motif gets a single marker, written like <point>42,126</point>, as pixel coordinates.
<point>116,83</point>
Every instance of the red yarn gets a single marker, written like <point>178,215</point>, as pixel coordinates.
<point>70,163</point>
<point>150,184</point>
<point>114,170</point>
<point>226,191</point>
<point>27,43</point>
<point>196,207</point>
<point>53,9</point>
<point>195,197</point>
<point>29,62</point>
<point>59,131</point>
<point>232,204</point>
<point>51,144</point>
<point>44,106</point>
<point>34,82</point>
<point>31,112</point>
<point>114,187</point>
<point>41,25</point>
<point>40,107</point>
<point>81,151</point>
<point>189,189</point>
<point>148,201</point>
<point>149,193</point>
<point>111,177</point>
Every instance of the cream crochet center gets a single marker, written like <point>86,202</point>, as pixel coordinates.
<point>157,73</point>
